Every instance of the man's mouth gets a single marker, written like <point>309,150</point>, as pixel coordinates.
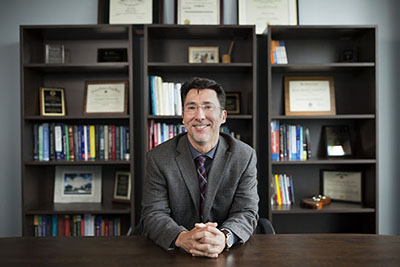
<point>200,127</point>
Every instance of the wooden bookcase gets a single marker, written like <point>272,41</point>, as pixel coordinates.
<point>317,51</point>
<point>81,43</point>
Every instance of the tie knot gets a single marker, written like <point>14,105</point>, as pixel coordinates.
<point>201,159</point>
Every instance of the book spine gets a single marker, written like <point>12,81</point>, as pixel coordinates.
<point>117,143</point>
<point>35,141</point>
<point>46,144</point>
<point>106,142</point>
<point>113,142</point>
<point>76,143</point>
<point>278,190</point>
<point>92,142</point>
<point>66,143</point>
<point>40,142</point>
<point>71,142</point>
<point>51,142</point>
<point>101,142</point>
<point>275,140</point>
<point>97,141</point>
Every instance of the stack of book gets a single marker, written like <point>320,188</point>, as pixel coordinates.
<point>165,97</point>
<point>278,52</point>
<point>283,190</point>
<point>289,142</point>
<point>63,142</point>
<point>76,225</point>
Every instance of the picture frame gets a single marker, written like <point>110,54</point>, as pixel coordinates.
<point>112,55</point>
<point>203,54</point>
<point>232,103</point>
<point>104,12</point>
<point>52,101</point>
<point>344,186</point>
<point>337,140</point>
<point>122,187</point>
<point>199,12</point>
<point>54,54</point>
<point>77,184</point>
<point>309,95</point>
<point>106,97</point>
<point>263,13</point>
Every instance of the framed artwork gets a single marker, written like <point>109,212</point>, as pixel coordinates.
<point>262,13</point>
<point>202,12</point>
<point>106,97</point>
<point>309,95</point>
<point>52,101</point>
<point>203,54</point>
<point>232,104</point>
<point>122,187</point>
<point>342,185</point>
<point>77,184</point>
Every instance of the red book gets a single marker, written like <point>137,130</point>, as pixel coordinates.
<point>60,224</point>
<point>83,226</point>
<point>113,142</point>
<point>105,227</point>
<point>67,225</point>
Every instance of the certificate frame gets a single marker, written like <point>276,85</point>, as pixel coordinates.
<point>309,95</point>
<point>184,18</point>
<point>104,11</point>
<point>122,187</point>
<point>52,101</point>
<point>77,184</point>
<point>98,100</point>
<point>232,103</point>
<point>267,12</point>
<point>342,186</point>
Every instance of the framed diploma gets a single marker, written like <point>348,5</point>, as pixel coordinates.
<point>342,186</point>
<point>106,97</point>
<point>205,12</point>
<point>122,187</point>
<point>52,101</point>
<point>309,95</point>
<point>267,12</point>
<point>131,12</point>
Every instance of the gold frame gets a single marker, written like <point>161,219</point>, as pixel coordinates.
<point>332,108</point>
<point>42,91</point>
<point>117,197</point>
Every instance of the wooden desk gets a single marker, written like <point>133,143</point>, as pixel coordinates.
<point>261,250</point>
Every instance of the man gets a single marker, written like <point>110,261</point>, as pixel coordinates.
<point>200,188</point>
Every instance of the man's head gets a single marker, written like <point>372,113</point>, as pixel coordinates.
<point>203,102</point>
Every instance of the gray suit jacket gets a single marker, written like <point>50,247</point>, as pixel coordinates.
<point>171,194</point>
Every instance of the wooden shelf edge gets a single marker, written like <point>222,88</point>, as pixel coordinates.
<point>325,161</point>
<point>80,117</point>
<point>330,117</point>
<point>79,208</point>
<point>77,162</point>
<point>332,208</point>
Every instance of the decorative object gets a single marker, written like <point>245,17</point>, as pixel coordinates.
<point>226,58</point>
<point>112,55</point>
<point>131,11</point>
<point>267,12</point>
<point>309,95</point>
<point>106,97</point>
<point>204,12</point>
<point>337,141</point>
<point>54,54</point>
<point>203,54</point>
<point>349,54</point>
<point>77,184</point>
<point>122,187</point>
<point>342,185</point>
<point>232,103</point>
<point>52,101</point>
<point>315,202</point>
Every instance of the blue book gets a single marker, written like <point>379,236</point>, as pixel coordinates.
<point>153,95</point>
<point>54,225</point>
<point>46,144</point>
<point>275,140</point>
<point>35,142</point>
<point>297,142</point>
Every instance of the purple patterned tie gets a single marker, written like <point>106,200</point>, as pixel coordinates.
<point>202,176</point>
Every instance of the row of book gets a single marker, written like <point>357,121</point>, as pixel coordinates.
<point>289,142</point>
<point>63,142</point>
<point>283,189</point>
<point>76,225</point>
<point>278,52</point>
<point>160,132</point>
<point>165,97</point>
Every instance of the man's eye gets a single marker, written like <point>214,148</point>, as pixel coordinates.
<point>190,108</point>
<point>208,107</point>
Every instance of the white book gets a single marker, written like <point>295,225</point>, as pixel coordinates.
<point>159,95</point>
<point>179,103</point>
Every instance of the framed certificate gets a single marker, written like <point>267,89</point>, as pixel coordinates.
<point>309,95</point>
<point>205,12</point>
<point>131,12</point>
<point>122,187</point>
<point>342,185</point>
<point>267,12</point>
<point>52,101</point>
<point>106,97</point>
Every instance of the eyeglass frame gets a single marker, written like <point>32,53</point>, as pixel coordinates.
<point>202,107</point>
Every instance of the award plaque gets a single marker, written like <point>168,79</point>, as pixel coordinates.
<point>122,187</point>
<point>55,54</point>
<point>106,97</point>
<point>52,101</point>
<point>112,55</point>
<point>342,186</point>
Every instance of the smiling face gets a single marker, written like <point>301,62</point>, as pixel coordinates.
<point>202,117</point>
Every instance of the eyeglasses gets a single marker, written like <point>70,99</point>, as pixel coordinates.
<point>207,108</point>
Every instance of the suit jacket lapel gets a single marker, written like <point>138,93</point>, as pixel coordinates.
<point>188,170</point>
<point>215,175</point>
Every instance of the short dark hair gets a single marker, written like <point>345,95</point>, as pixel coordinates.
<point>203,83</point>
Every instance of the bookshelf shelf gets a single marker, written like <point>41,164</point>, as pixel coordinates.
<point>313,161</point>
<point>81,208</point>
<point>77,162</point>
<point>76,118</point>
<point>334,207</point>
<point>330,117</point>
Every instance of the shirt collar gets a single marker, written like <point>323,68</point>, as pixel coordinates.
<point>196,153</point>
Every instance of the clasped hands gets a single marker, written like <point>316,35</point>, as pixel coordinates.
<point>203,240</point>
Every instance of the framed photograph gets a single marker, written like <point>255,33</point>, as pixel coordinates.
<point>203,54</point>
<point>122,187</point>
<point>342,185</point>
<point>232,104</point>
<point>54,54</point>
<point>309,95</point>
<point>52,101</point>
<point>106,97</point>
<point>77,184</point>
<point>262,13</point>
<point>139,7</point>
<point>112,55</point>
<point>203,12</point>
<point>337,141</point>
